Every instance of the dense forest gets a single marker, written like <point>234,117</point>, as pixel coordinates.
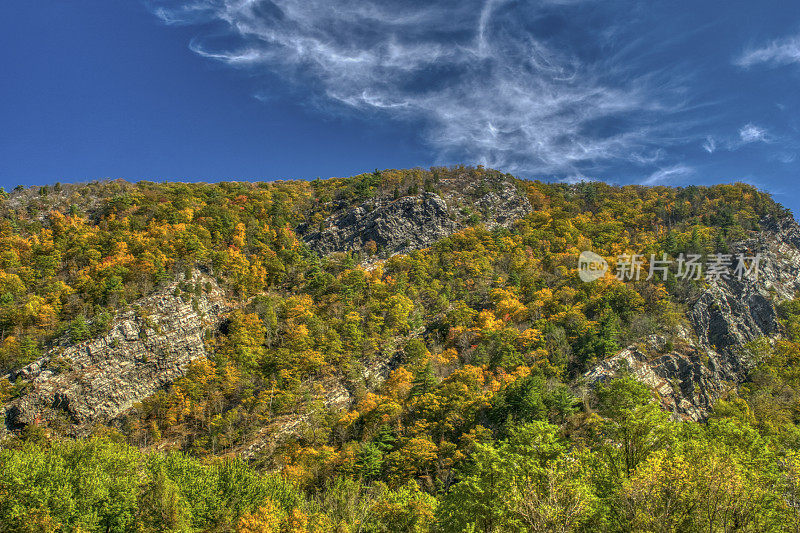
<point>484,421</point>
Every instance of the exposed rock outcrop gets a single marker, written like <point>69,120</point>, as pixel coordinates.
<point>729,314</point>
<point>414,222</point>
<point>399,226</point>
<point>501,206</point>
<point>683,383</point>
<point>147,348</point>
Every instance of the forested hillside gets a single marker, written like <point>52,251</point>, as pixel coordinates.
<point>403,350</point>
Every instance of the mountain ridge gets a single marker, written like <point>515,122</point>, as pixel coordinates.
<point>384,225</point>
<point>391,342</point>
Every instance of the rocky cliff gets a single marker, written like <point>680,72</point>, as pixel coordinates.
<point>414,222</point>
<point>148,347</point>
<point>729,314</point>
<point>398,226</point>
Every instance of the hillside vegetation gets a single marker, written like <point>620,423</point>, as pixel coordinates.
<point>480,419</point>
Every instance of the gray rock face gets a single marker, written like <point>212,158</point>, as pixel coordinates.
<point>502,207</point>
<point>414,222</point>
<point>684,385</point>
<point>97,380</point>
<point>410,223</point>
<point>728,315</point>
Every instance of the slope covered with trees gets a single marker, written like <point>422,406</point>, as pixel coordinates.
<point>461,364</point>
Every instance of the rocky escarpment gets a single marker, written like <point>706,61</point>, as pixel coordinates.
<point>148,347</point>
<point>729,314</point>
<point>398,226</point>
<point>681,379</point>
<point>414,222</point>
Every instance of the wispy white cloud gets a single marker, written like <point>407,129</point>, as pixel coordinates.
<point>669,175</point>
<point>780,52</point>
<point>747,134</point>
<point>750,133</point>
<point>484,86</point>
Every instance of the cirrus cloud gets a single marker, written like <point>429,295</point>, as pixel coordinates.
<point>669,175</point>
<point>779,52</point>
<point>750,133</point>
<point>483,84</point>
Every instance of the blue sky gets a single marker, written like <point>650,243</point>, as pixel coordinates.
<point>659,92</point>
